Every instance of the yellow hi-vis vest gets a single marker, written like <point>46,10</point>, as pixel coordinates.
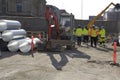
<point>102,33</point>
<point>78,32</point>
<point>85,31</point>
<point>93,33</point>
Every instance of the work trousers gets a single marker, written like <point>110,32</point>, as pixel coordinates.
<point>73,38</point>
<point>86,38</point>
<point>79,39</point>
<point>93,41</point>
<point>102,40</point>
<point>0,47</point>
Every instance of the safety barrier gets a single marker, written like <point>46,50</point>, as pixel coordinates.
<point>114,63</point>
<point>114,54</point>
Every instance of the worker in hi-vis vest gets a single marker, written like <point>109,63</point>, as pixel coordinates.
<point>85,35</point>
<point>0,47</point>
<point>74,35</point>
<point>102,33</point>
<point>78,34</point>
<point>93,36</point>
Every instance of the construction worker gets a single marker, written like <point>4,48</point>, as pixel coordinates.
<point>93,36</point>
<point>102,33</point>
<point>78,34</point>
<point>86,35</point>
<point>97,33</point>
<point>0,52</point>
<point>74,35</point>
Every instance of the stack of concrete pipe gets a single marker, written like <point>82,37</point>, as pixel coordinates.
<point>24,45</point>
<point>13,45</point>
<point>12,33</point>
<point>9,25</point>
<point>9,35</point>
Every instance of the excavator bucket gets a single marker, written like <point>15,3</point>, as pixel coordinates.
<point>117,6</point>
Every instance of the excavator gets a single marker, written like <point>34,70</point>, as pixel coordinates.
<point>117,6</point>
<point>55,41</point>
<point>58,36</point>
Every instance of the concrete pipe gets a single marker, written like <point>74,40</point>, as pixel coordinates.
<point>9,25</point>
<point>9,35</point>
<point>26,46</point>
<point>13,45</point>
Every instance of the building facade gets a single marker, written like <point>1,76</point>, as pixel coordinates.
<point>30,13</point>
<point>23,7</point>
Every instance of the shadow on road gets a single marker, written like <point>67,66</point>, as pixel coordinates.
<point>77,54</point>
<point>64,60</point>
<point>102,49</point>
<point>105,49</point>
<point>58,64</point>
<point>5,54</point>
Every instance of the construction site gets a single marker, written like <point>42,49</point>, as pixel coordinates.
<point>37,43</point>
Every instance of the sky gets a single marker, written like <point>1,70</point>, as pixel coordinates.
<point>82,9</point>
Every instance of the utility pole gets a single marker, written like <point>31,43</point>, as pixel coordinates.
<point>81,9</point>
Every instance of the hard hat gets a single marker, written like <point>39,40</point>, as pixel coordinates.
<point>93,26</point>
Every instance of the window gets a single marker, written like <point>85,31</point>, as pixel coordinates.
<point>19,5</point>
<point>3,3</point>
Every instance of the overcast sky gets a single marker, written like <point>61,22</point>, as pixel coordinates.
<point>82,9</point>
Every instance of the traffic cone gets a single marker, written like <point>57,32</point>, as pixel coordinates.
<point>115,56</point>
<point>32,44</point>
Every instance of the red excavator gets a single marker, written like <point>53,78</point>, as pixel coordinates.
<point>59,29</point>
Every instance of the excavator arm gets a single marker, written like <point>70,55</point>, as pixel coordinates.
<point>94,19</point>
<point>51,21</point>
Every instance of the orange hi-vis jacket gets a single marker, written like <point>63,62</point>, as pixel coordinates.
<point>93,32</point>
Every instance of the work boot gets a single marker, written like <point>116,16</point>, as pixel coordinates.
<point>91,45</point>
<point>87,45</point>
<point>104,45</point>
<point>100,45</point>
<point>95,46</point>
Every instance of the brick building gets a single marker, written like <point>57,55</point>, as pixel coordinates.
<point>23,7</point>
<point>31,13</point>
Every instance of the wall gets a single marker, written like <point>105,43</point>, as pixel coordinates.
<point>29,8</point>
<point>110,26</point>
<point>30,23</point>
